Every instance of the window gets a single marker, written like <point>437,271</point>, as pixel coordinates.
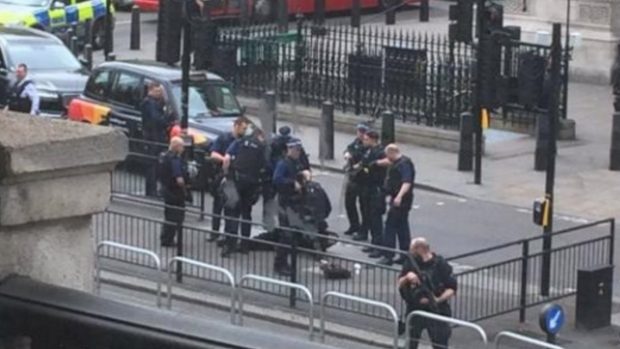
<point>127,89</point>
<point>42,55</point>
<point>98,84</point>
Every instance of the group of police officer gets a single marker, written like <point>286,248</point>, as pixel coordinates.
<point>374,174</point>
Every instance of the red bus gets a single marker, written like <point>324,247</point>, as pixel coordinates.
<point>262,8</point>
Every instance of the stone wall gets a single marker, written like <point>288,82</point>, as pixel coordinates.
<point>597,22</point>
<point>54,175</point>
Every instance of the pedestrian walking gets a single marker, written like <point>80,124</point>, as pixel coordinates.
<point>23,96</point>
<point>155,123</point>
<point>427,283</point>
<point>399,188</point>
<point>218,153</point>
<point>245,164</point>
<point>353,156</point>
<point>174,178</point>
<point>286,181</point>
<point>372,199</point>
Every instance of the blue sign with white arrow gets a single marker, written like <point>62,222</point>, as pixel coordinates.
<point>552,318</point>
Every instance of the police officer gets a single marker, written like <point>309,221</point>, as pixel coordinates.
<point>155,124</point>
<point>399,187</point>
<point>174,180</point>
<point>372,201</point>
<point>23,96</point>
<point>245,163</point>
<point>287,184</point>
<point>353,156</point>
<point>218,153</point>
<point>427,283</point>
<point>279,148</point>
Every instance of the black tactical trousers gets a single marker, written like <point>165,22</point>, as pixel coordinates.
<point>248,195</point>
<point>439,332</point>
<point>373,208</point>
<point>351,198</point>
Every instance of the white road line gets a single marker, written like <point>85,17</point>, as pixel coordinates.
<point>440,203</point>
<point>416,207</point>
<point>462,200</point>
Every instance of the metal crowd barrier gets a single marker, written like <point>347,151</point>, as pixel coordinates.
<point>442,318</point>
<point>385,306</point>
<point>198,264</point>
<point>303,288</point>
<point>524,339</point>
<point>116,245</point>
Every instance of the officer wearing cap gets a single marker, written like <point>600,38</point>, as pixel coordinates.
<point>288,188</point>
<point>353,156</point>
<point>371,180</point>
<point>245,163</point>
<point>279,147</point>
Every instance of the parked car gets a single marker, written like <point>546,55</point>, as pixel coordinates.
<point>115,91</point>
<point>57,74</point>
<point>56,16</point>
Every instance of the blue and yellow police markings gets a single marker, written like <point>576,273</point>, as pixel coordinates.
<point>47,18</point>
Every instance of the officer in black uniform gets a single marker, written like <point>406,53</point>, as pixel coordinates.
<point>371,180</point>
<point>218,153</point>
<point>23,96</point>
<point>174,180</point>
<point>245,163</point>
<point>289,189</point>
<point>353,156</point>
<point>155,125</point>
<point>399,187</point>
<point>427,283</point>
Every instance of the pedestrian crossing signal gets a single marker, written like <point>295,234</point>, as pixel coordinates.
<point>484,115</point>
<point>541,212</point>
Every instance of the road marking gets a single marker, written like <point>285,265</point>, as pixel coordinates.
<point>524,210</point>
<point>440,203</point>
<point>416,207</point>
<point>462,200</point>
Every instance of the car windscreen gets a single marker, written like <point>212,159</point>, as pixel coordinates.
<point>33,3</point>
<point>38,55</point>
<point>209,99</point>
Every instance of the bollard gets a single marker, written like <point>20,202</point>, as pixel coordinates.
<point>466,143</point>
<point>67,38</point>
<point>542,143</point>
<point>388,128</point>
<point>614,156</point>
<point>326,147</point>
<point>319,12</point>
<point>111,57</point>
<point>283,16</point>
<point>270,101</point>
<point>88,56</point>
<point>424,11</point>
<point>74,45</point>
<point>356,14</point>
<point>244,15</point>
<point>134,43</point>
<point>390,16</point>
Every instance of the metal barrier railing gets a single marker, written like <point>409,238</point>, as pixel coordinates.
<point>524,339</point>
<point>116,245</point>
<point>303,288</point>
<point>202,265</point>
<point>385,306</point>
<point>445,319</point>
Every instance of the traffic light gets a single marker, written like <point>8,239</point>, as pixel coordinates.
<point>492,19</point>
<point>490,73</point>
<point>462,14</point>
<point>541,212</point>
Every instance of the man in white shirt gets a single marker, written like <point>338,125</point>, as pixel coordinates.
<point>23,96</point>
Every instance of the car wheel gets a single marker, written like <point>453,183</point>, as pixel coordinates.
<point>262,11</point>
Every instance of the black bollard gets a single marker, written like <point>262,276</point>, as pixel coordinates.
<point>67,38</point>
<point>424,11</point>
<point>88,32</point>
<point>390,16</point>
<point>270,101</point>
<point>466,143</point>
<point>134,43</point>
<point>326,147</point>
<point>319,12</point>
<point>88,56</point>
<point>356,14</point>
<point>614,156</point>
<point>388,128</point>
<point>74,45</point>
<point>283,16</point>
<point>542,143</point>
<point>244,13</point>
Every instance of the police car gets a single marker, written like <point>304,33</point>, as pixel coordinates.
<point>115,91</point>
<point>56,15</point>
